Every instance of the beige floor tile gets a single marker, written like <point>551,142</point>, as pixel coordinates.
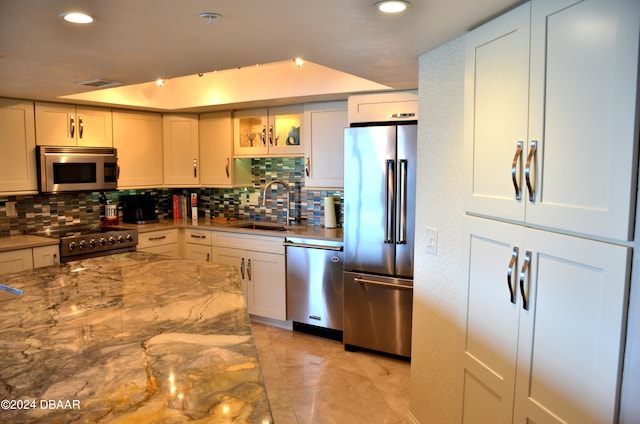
<point>312,380</point>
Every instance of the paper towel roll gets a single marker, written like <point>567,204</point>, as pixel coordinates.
<point>329,213</point>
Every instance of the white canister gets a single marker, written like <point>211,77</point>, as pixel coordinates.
<point>329,212</point>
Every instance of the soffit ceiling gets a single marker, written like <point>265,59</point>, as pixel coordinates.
<point>348,45</point>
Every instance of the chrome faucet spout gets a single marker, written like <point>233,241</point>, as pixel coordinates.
<point>264,196</point>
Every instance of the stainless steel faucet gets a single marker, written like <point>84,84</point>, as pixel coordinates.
<point>264,196</point>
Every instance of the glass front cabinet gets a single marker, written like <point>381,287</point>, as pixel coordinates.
<point>268,132</point>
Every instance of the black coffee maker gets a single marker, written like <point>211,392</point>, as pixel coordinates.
<point>138,208</point>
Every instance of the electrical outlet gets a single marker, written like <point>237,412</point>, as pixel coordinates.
<point>432,241</point>
<point>244,199</point>
<point>254,198</point>
<point>11,209</point>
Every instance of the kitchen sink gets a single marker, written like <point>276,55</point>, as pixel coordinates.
<point>264,226</point>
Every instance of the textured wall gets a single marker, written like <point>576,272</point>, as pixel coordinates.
<point>439,202</point>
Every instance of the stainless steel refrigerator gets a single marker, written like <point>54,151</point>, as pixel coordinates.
<point>379,221</point>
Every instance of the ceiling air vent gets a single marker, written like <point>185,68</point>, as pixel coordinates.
<point>98,83</point>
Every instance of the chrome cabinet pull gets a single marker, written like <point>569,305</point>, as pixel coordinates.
<point>307,164</point>
<point>242,268</point>
<point>198,236</point>
<point>208,257</point>
<point>390,201</point>
<point>532,157</point>
<point>249,269</point>
<point>402,115</point>
<point>510,269</point>
<point>226,168</point>
<point>195,168</point>
<point>523,276</point>
<point>72,123</point>
<point>515,171</point>
<point>271,135</point>
<point>403,166</point>
<point>81,124</point>
<point>157,238</point>
<point>263,136</point>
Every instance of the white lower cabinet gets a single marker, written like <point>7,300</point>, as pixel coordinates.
<point>46,256</point>
<point>542,326</point>
<point>161,242</point>
<point>16,260</point>
<point>23,259</point>
<point>197,244</point>
<point>261,269</point>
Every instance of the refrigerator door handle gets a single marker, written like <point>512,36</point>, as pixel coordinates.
<point>401,237</point>
<point>389,201</point>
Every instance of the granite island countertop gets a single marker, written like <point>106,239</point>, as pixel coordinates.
<point>126,338</point>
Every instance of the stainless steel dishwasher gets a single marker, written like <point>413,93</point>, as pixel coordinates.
<point>314,282</point>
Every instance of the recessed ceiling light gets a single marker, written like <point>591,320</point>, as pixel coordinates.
<point>392,6</point>
<point>160,82</point>
<point>298,61</point>
<point>77,18</point>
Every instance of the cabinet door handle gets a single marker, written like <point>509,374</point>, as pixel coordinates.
<point>532,157</point>
<point>242,268</point>
<point>208,257</point>
<point>271,136</point>
<point>198,236</point>
<point>249,269</point>
<point>157,238</point>
<point>523,276</point>
<point>72,125</point>
<point>510,269</point>
<point>389,201</point>
<point>517,171</point>
<point>307,164</point>
<point>264,136</point>
<point>195,168</point>
<point>81,125</point>
<point>401,231</point>
<point>226,168</point>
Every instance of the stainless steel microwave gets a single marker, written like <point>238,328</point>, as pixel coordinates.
<point>63,169</point>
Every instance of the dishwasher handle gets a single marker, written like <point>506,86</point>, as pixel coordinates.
<point>312,246</point>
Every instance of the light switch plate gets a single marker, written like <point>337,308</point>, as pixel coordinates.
<point>432,241</point>
<point>11,208</point>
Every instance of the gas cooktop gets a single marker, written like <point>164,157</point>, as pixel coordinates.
<point>90,240</point>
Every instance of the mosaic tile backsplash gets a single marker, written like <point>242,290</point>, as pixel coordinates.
<point>38,212</point>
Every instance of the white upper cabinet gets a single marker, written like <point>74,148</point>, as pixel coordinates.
<point>138,138</point>
<point>181,152</point>
<point>550,127</point>
<point>69,125</point>
<point>268,132</point>
<point>218,166</point>
<point>17,147</point>
<point>324,144</point>
<point>383,107</point>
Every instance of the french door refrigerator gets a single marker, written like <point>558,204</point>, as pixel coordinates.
<point>379,221</point>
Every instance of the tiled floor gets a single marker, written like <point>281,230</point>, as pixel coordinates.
<point>314,380</point>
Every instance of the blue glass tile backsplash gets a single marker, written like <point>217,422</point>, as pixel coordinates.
<point>39,212</point>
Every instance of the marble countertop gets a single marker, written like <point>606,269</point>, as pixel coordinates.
<point>297,230</point>
<point>25,241</point>
<point>131,337</point>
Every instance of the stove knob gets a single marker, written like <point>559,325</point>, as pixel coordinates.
<point>120,239</point>
<point>112,240</point>
<point>92,243</point>
<point>129,238</point>
<point>82,244</point>
<point>102,241</point>
<point>72,246</point>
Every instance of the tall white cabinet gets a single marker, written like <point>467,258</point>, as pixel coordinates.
<point>550,155</point>
<point>17,147</point>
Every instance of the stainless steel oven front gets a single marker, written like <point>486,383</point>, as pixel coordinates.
<point>64,169</point>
